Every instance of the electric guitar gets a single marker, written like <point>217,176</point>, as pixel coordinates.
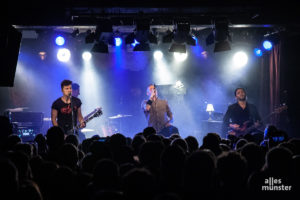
<point>96,113</point>
<point>245,128</point>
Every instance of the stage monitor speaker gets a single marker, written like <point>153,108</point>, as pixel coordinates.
<point>10,40</point>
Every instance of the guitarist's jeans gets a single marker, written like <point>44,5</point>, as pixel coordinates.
<point>256,137</point>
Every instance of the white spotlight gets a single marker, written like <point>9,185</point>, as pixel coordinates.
<point>63,55</point>
<point>240,59</point>
<point>180,56</point>
<point>86,56</point>
<point>158,55</point>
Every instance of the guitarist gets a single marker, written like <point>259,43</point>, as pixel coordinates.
<point>241,117</point>
<point>61,110</point>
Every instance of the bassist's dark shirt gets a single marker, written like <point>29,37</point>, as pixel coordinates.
<point>235,114</point>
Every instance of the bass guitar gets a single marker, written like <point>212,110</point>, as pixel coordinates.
<point>247,128</point>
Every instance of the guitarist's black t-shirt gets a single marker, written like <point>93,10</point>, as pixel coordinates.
<point>237,115</point>
<point>64,116</point>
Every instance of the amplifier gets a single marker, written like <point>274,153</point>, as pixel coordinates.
<point>26,119</point>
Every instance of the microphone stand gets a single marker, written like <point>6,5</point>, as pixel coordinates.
<point>73,125</point>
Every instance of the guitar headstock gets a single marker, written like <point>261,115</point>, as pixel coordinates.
<point>97,112</point>
<point>280,109</point>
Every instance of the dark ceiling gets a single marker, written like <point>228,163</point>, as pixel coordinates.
<point>199,12</point>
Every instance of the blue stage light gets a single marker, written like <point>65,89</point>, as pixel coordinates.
<point>267,45</point>
<point>258,52</point>
<point>118,41</point>
<point>60,40</point>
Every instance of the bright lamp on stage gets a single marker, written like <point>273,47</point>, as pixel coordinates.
<point>118,41</point>
<point>158,55</point>
<point>210,109</point>
<point>86,56</point>
<point>240,59</point>
<point>63,55</point>
<point>180,57</point>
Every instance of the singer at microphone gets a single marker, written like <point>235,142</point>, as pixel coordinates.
<point>61,110</point>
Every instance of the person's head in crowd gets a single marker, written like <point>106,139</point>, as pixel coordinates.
<point>212,141</point>
<point>171,167</point>
<point>296,142</point>
<point>117,140</point>
<point>137,142</point>
<point>279,161</point>
<point>173,136</point>
<point>9,181</point>
<point>72,139</point>
<point>55,137</point>
<point>240,143</point>
<point>149,155</point>
<point>106,175</point>
<point>232,171</point>
<point>181,143</point>
<point>154,138</point>
<point>138,184</point>
<point>68,156</point>
<point>6,128</point>
<point>41,143</point>
<point>192,143</point>
<point>254,155</point>
<point>21,161</point>
<point>289,146</point>
<point>11,141</point>
<point>200,168</point>
<point>166,142</point>
<point>63,184</point>
<point>149,131</point>
<point>100,150</point>
<point>25,148</point>
<point>30,190</point>
<point>224,147</point>
<point>124,155</point>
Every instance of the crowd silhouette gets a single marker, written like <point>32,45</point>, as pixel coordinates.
<point>147,166</point>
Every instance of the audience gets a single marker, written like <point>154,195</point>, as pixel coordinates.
<point>147,166</point>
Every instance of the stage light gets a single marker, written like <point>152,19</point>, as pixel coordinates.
<point>258,52</point>
<point>177,48</point>
<point>118,41</point>
<point>180,57</point>
<point>168,37</point>
<point>240,59</point>
<point>75,33</point>
<point>100,47</point>
<point>134,43</point>
<point>63,55</point>
<point>220,35</point>
<point>267,45</point>
<point>158,55</point>
<point>90,37</point>
<point>86,56</point>
<point>59,40</point>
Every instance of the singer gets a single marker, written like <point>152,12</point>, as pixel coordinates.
<point>158,113</point>
<point>66,110</point>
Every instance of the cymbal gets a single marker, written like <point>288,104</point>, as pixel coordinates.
<point>119,116</point>
<point>85,130</point>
